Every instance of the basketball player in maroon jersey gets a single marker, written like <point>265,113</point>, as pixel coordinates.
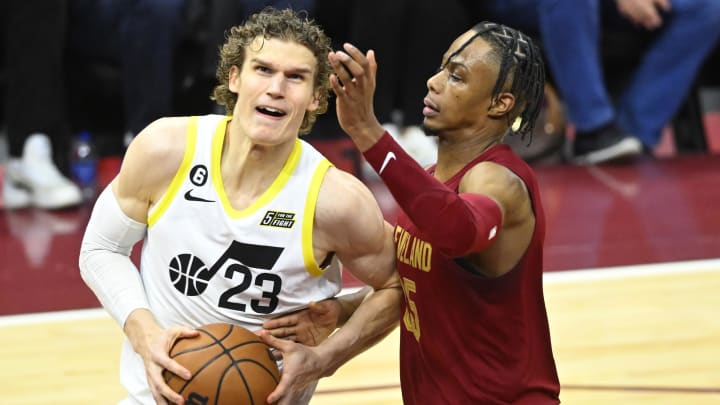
<point>469,240</point>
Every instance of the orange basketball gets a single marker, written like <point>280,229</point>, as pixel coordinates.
<point>229,365</point>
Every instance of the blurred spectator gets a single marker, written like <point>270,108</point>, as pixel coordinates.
<point>685,32</point>
<point>611,127</point>
<point>141,37</point>
<point>36,118</point>
<point>408,53</point>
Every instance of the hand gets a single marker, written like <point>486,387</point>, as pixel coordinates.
<point>308,326</point>
<point>645,13</point>
<point>354,86</point>
<point>156,359</point>
<point>302,366</point>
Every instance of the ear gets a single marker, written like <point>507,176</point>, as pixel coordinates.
<point>234,79</point>
<point>503,105</point>
<point>315,103</point>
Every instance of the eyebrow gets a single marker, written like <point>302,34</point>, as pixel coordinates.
<point>297,69</point>
<point>454,64</point>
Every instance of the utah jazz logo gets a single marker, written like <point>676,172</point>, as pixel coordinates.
<point>190,276</point>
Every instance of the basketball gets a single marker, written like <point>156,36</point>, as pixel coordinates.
<point>229,365</point>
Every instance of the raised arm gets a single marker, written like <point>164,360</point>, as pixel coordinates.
<point>490,201</point>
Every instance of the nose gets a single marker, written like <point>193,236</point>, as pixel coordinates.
<point>433,83</point>
<point>276,87</point>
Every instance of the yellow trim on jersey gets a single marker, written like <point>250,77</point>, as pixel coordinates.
<point>268,195</point>
<point>160,208</point>
<point>309,219</point>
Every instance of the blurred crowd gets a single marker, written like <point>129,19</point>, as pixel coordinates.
<point>618,72</point>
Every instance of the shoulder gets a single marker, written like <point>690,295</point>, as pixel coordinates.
<point>345,193</point>
<point>164,137</point>
<point>155,155</point>
<point>498,182</point>
<point>347,209</point>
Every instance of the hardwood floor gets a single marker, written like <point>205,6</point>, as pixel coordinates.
<point>643,334</point>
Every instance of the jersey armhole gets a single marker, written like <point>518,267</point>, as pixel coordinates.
<point>309,219</point>
<point>164,202</point>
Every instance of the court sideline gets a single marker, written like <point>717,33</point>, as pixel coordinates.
<point>645,334</point>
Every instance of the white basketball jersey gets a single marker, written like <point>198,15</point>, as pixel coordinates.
<point>204,261</point>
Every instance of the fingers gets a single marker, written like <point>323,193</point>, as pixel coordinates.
<point>340,62</point>
<point>664,4</point>
<point>160,390</point>
<point>278,393</point>
<point>283,333</point>
<point>281,322</point>
<point>270,340</point>
<point>352,66</point>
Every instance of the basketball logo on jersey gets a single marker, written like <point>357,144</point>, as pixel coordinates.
<point>278,219</point>
<point>190,276</point>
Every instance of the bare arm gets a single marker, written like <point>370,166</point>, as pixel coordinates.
<point>351,224</point>
<point>148,168</point>
<point>312,325</point>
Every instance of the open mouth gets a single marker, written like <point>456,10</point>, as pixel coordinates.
<point>273,112</point>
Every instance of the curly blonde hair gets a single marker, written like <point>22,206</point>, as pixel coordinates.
<point>286,25</point>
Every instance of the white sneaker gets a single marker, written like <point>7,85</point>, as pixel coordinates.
<point>37,173</point>
<point>11,196</point>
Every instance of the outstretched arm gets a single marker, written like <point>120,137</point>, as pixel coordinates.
<point>457,224</point>
<point>348,222</point>
<point>312,325</point>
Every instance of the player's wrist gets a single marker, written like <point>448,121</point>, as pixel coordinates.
<point>139,328</point>
<point>366,136</point>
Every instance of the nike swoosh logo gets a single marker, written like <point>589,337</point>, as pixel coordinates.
<point>190,197</point>
<point>390,156</point>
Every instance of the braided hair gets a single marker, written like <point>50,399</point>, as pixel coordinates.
<point>521,65</point>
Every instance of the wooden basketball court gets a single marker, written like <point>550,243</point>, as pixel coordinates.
<point>647,334</point>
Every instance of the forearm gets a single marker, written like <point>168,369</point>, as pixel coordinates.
<point>139,328</point>
<point>350,302</point>
<point>374,318</point>
<point>104,260</point>
<point>457,224</point>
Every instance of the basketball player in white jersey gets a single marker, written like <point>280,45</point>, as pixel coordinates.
<point>241,221</point>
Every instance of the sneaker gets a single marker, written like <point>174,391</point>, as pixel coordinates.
<point>606,144</point>
<point>12,196</point>
<point>37,173</point>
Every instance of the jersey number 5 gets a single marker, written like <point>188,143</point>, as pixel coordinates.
<point>411,319</point>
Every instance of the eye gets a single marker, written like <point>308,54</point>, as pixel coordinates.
<point>263,69</point>
<point>455,78</point>
<point>297,77</point>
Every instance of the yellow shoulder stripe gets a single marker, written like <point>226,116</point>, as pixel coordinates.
<point>177,181</point>
<point>309,219</point>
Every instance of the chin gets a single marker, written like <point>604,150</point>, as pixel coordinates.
<point>429,131</point>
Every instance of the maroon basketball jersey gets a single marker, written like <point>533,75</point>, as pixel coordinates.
<point>467,339</point>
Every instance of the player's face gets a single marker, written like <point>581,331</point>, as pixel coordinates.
<point>460,93</point>
<point>275,89</point>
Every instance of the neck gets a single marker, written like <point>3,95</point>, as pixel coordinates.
<point>249,166</point>
<point>453,155</point>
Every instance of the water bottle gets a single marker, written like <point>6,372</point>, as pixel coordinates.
<point>83,165</point>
